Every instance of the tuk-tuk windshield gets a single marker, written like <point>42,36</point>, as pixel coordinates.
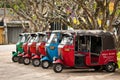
<point>53,38</point>
<point>31,39</point>
<point>27,38</point>
<point>40,38</point>
<point>36,39</point>
<point>21,39</point>
<point>45,38</point>
<point>67,40</point>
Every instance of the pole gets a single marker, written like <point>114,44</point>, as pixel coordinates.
<point>5,26</point>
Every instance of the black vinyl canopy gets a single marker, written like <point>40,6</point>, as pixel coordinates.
<point>108,41</point>
<point>94,33</point>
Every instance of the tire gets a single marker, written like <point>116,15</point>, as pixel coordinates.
<point>110,67</point>
<point>57,68</point>
<point>45,64</point>
<point>15,58</point>
<point>26,61</point>
<point>36,62</point>
<point>20,60</point>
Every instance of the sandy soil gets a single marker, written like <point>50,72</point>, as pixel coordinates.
<point>14,71</point>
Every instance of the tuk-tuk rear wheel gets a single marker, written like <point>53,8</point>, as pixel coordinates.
<point>57,68</point>
<point>45,64</point>
<point>36,62</point>
<point>15,58</point>
<point>26,61</point>
<point>110,67</point>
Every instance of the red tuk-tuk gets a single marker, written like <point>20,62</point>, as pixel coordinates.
<point>87,49</point>
<point>40,48</point>
<point>26,48</point>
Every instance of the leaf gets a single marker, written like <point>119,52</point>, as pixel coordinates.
<point>118,12</point>
<point>22,6</point>
<point>99,21</point>
<point>16,7</point>
<point>34,17</point>
<point>111,7</point>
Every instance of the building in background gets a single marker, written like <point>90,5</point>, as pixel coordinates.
<point>10,27</point>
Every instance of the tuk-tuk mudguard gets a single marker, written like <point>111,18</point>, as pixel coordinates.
<point>21,55</point>
<point>109,61</point>
<point>36,57</point>
<point>26,55</point>
<point>58,61</point>
<point>14,53</point>
<point>45,59</point>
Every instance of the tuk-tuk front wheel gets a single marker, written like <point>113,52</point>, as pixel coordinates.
<point>45,64</point>
<point>15,58</point>
<point>26,61</point>
<point>57,68</point>
<point>36,62</point>
<point>110,67</point>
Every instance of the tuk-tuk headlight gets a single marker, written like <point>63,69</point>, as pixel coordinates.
<point>52,47</point>
<point>66,49</point>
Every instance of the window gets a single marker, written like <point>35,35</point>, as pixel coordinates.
<point>96,44</point>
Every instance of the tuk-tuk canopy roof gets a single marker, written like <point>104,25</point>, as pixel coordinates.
<point>41,33</point>
<point>21,34</point>
<point>94,32</point>
<point>62,31</point>
<point>33,34</point>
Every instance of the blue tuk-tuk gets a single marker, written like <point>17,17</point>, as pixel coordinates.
<point>52,48</point>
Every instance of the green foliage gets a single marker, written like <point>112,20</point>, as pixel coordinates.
<point>118,12</point>
<point>2,4</point>
<point>22,6</point>
<point>95,6</point>
<point>34,17</point>
<point>16,7</point>
<point>86,12</point>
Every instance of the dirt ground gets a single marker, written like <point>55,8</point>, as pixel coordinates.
<point>14,71</point>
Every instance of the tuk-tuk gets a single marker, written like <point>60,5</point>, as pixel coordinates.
<point>25,47</point>
<point>52,48</point>
<point>23,37</point>
<point>39,42</point>
<point>87,49</point>
<point>30,47</point>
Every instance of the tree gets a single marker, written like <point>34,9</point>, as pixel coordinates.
<point>32,10</point>
<point>78,14</point>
